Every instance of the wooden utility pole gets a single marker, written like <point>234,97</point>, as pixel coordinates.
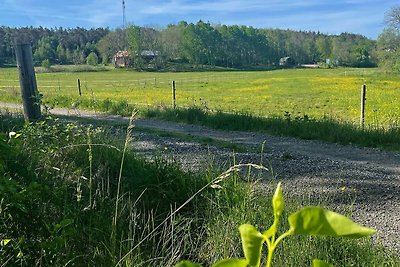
<point>363,93</point>
<point>173,95</point>
<point>27,81</point>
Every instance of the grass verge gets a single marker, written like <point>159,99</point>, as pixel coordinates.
<point>326,129</point>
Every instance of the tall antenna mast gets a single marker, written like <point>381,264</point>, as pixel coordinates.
<point>123,15</point>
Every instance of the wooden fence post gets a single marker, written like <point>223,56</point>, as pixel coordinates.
<point>27,81</point>
<point>173,95</point>
<point>79,87</point>
<point>363,93</point>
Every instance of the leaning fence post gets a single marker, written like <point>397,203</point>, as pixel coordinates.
<point>173,95</point>
<point>27,81</point>
<point>363,93</point>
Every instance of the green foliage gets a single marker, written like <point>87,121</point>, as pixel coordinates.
<point>46,64</point>
<point>58,197</point>
<point>199,43</point>
<point>111,43</point>
<point>62,54</point>
<point>92,59</point>
<point>45,50</point>
<point>121,107</point>
<point>388,47</point>
<point>309,221</point>
<point>319,222</point>
<point>389,50</point>
<point>59,192</point>
<point>135,36</point>
<point>252,241</point>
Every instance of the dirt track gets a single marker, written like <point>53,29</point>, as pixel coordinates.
<point>315,170</point>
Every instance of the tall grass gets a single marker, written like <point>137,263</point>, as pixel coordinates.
<point>69,200</point>
<point>325,129</point>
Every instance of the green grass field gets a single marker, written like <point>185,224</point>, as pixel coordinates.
<point>319,93</point>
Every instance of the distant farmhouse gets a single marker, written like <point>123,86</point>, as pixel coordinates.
<point>149,55</point>
<point>122,59</point>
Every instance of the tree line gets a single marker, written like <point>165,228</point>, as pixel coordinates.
<point>240,47</point>
<point>57,45</point>
<point>203,43</point>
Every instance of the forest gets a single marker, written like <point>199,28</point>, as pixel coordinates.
<point>201,43</point>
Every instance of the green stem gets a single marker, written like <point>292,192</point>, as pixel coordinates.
<point>270,254</point>
<point>273,244</point>
<point>288,233</point>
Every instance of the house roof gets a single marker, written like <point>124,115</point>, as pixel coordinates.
<point>122,53</point>
<point>149,53</point>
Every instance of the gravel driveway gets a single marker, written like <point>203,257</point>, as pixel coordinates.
<point>368,178</point>
<point>365,180</point>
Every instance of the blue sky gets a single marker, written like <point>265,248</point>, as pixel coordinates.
<point>365,17</point>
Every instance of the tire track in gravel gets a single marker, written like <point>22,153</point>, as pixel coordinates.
<point>308,168</point>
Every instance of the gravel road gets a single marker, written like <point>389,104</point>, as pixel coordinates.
<point>367,180</point>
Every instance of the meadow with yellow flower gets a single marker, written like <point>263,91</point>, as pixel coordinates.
<point>314,93</point>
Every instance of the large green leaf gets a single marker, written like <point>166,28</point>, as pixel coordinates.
<point>319,221</point>
<point>187,264</point>
<point>319,263</point>
<point>231,263</point>
<point>252,241</point>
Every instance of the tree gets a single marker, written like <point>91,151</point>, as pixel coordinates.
<point>46,64</point>
<point>111,44</point>
<point>78,56</point>
<point>45,50</point>
<point>134,36</point>
<point>389,42</point>
<point>61,54</point>
<point>324,47</point>
<point>92,59</point>
<point>172,41</point>
<point>393,17</point>
<point>389,50</point>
